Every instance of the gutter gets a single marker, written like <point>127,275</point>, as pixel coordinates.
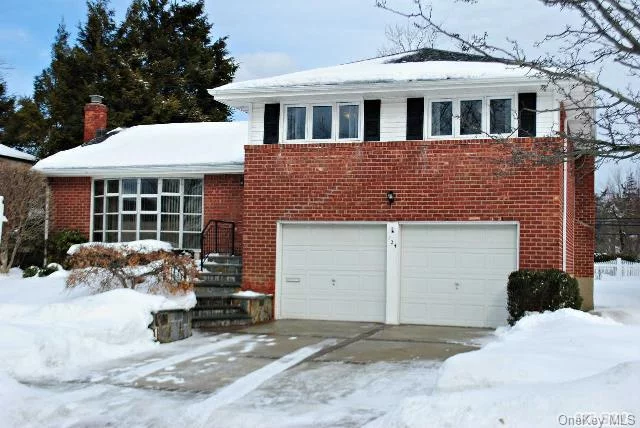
<point>144,170</point>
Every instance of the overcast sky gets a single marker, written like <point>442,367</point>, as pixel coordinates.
<point>269,37</point>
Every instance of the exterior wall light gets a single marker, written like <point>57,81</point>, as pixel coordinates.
<point>391,197</point>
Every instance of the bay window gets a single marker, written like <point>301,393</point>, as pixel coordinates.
<point>128,209</point>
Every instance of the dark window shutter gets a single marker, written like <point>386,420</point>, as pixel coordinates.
<point>415,118</point>
<point>527,114</point>
<point>371,120</point>
<point>271,123</point>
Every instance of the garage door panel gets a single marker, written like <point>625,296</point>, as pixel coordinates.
<point>434,258</point>
<point>342,273</point>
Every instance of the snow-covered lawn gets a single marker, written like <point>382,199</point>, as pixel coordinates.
<point>542,372</point>
<point>48,332</point>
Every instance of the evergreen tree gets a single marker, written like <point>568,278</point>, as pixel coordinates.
<point>7,106</point>
<point>26,128</point>
<point>155,67</point>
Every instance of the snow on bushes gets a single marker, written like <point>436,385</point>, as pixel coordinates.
<point>147,264</point>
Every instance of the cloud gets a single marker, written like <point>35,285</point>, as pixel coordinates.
<point>263,64</point>
<point>13,35</point>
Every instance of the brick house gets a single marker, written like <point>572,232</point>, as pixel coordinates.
<point>385,190</point>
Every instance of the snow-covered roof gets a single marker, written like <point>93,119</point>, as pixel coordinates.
<point>8,152</point>
<point>203,147</point>
<point>425,65</point>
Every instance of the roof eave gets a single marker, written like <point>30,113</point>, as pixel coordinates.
<point>239,97</point>
<point>145,171</point>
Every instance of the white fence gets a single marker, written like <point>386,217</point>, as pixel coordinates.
<point>617,268</point>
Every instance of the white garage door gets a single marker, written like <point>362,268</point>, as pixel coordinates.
<point>456,274</point>
<point>333,272</point>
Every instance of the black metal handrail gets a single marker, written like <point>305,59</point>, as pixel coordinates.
<point>218,236</point>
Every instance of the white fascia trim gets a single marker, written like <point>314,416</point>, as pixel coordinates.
<point>144,171</point>
<point>243,96</point>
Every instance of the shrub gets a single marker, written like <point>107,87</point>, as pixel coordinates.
<point>104,268</point>
<point>539,291</point>
<point>603,257</point>
<point>60,243</point>
<point>31,271</point>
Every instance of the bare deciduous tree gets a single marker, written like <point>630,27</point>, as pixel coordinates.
<point>24,192</point>
<point>607,38</point>
<point>405,38</point>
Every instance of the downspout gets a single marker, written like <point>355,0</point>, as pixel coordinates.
<point>564,130</point>
<point>46,225</point>
<point>564,210</point>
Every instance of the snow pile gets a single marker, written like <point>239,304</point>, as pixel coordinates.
<point>144,246</point>
<point>47,332</point>
<point>545,369</point>
<point>249,294</point>
<point>551,347</point>
<point>191,147</point>
<point>9,152</point>
<point>380,70</point>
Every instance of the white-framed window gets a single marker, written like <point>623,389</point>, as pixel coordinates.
<point>470,117</point>
<point>128,209</point>
<point>322,122</point>
<point>501,115</point>
<point>348,121</point>
<point>441,118</point>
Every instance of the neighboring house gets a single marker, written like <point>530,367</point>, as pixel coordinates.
<point>371,191</point>
<point>9,155</point>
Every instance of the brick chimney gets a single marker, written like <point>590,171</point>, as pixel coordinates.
<point>95,117</point>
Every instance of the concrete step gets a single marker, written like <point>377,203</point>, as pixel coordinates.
<point>227,320</point>
<point>215,290</point>
<point>221,278</point>
<point>216,312</point>
<point>223,259</point>
<point>221,269</point>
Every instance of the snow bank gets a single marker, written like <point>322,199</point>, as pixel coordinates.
<point>141,246</point>
<point>551,347</point>
<point>613,392</point>
<point>190,147</point>
<point>9,152</point>
<point>547,368</point>
<point>47,332</point>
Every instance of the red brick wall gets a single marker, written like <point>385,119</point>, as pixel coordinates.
<point>223,200</point>
<point>70,204</point>
<point>585,214</point>
<point>433,180</point>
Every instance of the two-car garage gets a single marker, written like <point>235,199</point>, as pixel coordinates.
<point>444,273</point>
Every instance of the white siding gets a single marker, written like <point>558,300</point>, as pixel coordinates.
<point>547,121</point>
<point>256,124</point>
<point>393,119</point>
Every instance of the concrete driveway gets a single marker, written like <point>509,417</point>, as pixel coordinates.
<point>208,362</point>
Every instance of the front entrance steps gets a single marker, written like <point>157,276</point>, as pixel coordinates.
<point>215,308</point>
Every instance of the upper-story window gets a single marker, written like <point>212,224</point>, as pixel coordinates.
<point>296,122</point>
<point>471,117</point>
<point>337,121</point>
<point>349,121</point>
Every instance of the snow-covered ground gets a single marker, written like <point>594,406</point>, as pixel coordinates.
<point>542,372</point>
<point>48,332</point>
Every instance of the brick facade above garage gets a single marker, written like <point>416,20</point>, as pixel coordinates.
<point>441,180</point>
